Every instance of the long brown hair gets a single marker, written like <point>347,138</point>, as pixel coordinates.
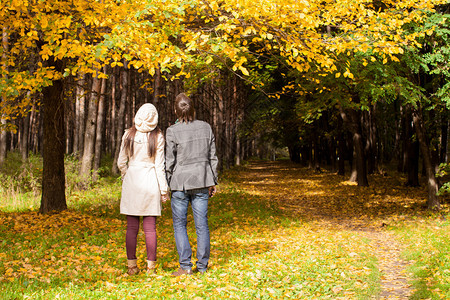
<point>152,138</point>
<point>184,108</point>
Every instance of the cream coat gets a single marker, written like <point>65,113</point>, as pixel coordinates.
<point>144,177</point>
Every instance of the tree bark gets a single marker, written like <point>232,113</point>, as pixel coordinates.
<point>444,137</point>
<point>3,136</point>
<point>78,143</point>
<point>353,119</point>
<point>99,129</point>
<point>120,115</point>
<point>411,155</point>
<point>53,176</point>
<point>24,138</point>
<point>370,149</point>
<point>89,134</point>
<point>112,122</point>
<point>433,199</point>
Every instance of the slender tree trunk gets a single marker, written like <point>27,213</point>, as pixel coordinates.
<point>113,114</point>
<point>24,138</point>
<point>370,149</point>
<point>227,124</point>
<point>353,119</point>
<point>3,136</point>
<point>34,128</point>
<point>100,127</point>
<point>53,176</point>
<point>157,82</point>
<point>444,137</point>
<point>341,147</point>
<point>411,155</point>
<point>400,140</point>
<point>120,115</point>
<point>239,117</point>
<point>80,100</point>
<point>220,127</point>
<point>433,199</point>
<point>91,124</point>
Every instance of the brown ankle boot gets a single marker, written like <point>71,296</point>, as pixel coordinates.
<point>151,267</point>
<point>132,267</point>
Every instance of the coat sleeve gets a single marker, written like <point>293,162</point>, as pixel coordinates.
<point>159,165</point>
<point>122,160</point>
<point>171,154</point>
<point>213,160</point>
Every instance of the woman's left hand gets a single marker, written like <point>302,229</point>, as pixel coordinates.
<point>164,198</point>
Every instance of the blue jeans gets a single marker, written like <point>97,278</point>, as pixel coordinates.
<point>199,202</point>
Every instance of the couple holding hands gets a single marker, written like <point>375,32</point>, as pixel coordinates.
<point>188,169</point>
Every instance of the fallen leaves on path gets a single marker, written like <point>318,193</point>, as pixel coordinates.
<point>277,231</point>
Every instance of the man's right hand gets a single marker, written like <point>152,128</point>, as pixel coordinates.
<point>212,190</point>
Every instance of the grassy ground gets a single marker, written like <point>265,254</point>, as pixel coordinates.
<point>277,231</point>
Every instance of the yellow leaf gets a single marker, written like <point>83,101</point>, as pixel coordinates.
<point>244,70</point>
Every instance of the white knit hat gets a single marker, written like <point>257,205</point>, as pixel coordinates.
<point>146,118</point>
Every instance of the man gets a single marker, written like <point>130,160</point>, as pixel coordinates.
<point>191,169</point>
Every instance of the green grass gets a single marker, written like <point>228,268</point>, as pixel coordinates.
<point>258,252</point>
<point>429,248</point>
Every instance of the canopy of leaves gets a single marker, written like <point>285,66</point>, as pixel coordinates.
<point>180,36</point>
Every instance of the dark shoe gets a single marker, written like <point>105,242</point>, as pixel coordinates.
<point>181,271</point>
<point>196,270</point>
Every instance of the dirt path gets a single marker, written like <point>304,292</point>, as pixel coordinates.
<point>394,277</point>
<point>333,202</point>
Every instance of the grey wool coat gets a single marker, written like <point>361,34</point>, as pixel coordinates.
<point>191,160</point>
<point>144,178</point>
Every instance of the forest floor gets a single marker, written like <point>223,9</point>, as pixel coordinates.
<point>366,211</point>
<point>278,231</point>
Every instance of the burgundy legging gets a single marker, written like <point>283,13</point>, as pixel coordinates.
<point>149,225</point>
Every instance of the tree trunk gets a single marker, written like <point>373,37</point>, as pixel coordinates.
<point>157,82</point>
<point>3,136</point>
<point>89,134</point>
<point>238,121</point>
<point>24,138</point>
<point>35,129</point>
<point>444,137</point>
<point>78,143</point>
<point>100,127</point>
<point>433,199</point>
<point>400,140</point>
<point>53,176</point>
<point>220,136</point>
<point>120,115</point>
<point>341,148</point>
<point>353,119</point>
<point>370,149</point>
<point>411,155</point>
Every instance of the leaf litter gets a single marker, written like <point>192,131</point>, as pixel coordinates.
<point>277,231</point>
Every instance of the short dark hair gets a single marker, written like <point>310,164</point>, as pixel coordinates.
<point>184,108</point>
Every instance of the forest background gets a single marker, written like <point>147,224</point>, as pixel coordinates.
<point>355,87</point>
<point>363,81</point>
<point>358,81</point>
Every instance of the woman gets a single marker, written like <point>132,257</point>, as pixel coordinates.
<point>141,162</point>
